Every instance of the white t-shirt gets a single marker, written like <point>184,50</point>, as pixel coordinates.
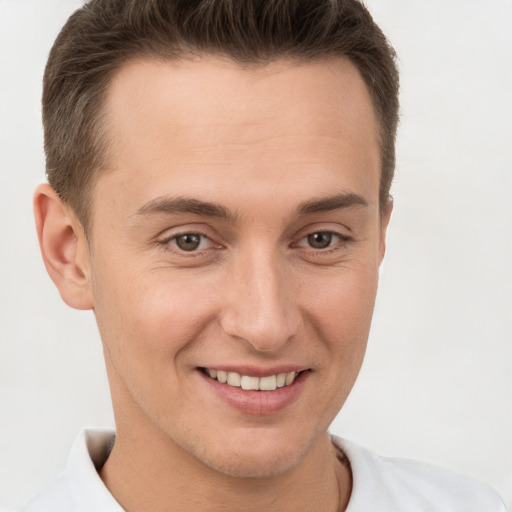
<point>379,484</point>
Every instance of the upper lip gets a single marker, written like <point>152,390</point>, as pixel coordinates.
<point>258,371</point>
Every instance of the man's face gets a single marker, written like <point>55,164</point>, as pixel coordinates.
<point>239,232</point>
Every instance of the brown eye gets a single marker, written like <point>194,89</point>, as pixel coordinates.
<point>188,242</point>
<point>320,240</point>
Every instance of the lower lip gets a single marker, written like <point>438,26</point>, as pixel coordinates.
<point>258,403</point>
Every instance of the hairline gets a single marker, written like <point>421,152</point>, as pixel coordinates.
<point>104,142</point>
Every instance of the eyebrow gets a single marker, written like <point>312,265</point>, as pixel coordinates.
<point>182,205</point>
<point>170,205</point>
<point>331,203</point>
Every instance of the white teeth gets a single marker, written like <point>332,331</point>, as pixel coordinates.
<point>234,379</point>
<point>281,380</point>
<point>290,377</point>
<point>248,383</point>
<point>268,383</point>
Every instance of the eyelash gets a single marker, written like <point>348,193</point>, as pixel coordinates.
<point>166,244</point>
<point>342,241</point>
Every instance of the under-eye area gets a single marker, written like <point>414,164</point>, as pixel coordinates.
<point>252,383</point>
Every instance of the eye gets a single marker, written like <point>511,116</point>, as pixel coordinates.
<point>320,240</point>
<point>190,242</point>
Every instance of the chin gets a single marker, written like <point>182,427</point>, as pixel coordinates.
<point>256,457</point>
<point>255,465</point>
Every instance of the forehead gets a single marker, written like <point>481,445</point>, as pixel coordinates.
<point>212,90</point>
<point>198,123</point>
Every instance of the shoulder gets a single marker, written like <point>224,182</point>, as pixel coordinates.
<point>396,485</point>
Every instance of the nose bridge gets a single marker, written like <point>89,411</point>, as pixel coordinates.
<point>259,308</point>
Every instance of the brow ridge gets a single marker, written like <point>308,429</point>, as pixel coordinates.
<point>170,205</point>
<point>182,205</point>
<point>330,203</point>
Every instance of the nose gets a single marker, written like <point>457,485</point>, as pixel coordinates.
<point>259,306</point>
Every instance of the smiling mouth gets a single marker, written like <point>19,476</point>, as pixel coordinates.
<point>251,383</point>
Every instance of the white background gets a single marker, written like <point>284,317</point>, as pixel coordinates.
<point>437,381</point>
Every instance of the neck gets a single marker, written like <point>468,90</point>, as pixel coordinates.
<point>155,475</point>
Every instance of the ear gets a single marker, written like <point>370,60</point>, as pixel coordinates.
<point>64,247</point>
<point>384,222</point>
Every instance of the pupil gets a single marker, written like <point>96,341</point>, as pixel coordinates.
<point>188,242</point>
<point>320,240</point>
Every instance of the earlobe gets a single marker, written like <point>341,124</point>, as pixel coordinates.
<point>384,222</point>
<point>63,246</point>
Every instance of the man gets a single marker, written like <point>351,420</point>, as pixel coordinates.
<point>218,195</point>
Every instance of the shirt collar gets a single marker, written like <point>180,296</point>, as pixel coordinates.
<point>88,454</point>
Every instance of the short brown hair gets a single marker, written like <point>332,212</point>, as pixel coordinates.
<point>101,36</point>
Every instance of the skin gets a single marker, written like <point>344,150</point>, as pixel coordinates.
<point>260,144</point>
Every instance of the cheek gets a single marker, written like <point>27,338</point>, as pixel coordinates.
<point>146,322</point>
<point>337,320</point>
<point>341,312</point>
<point>149,315</point>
